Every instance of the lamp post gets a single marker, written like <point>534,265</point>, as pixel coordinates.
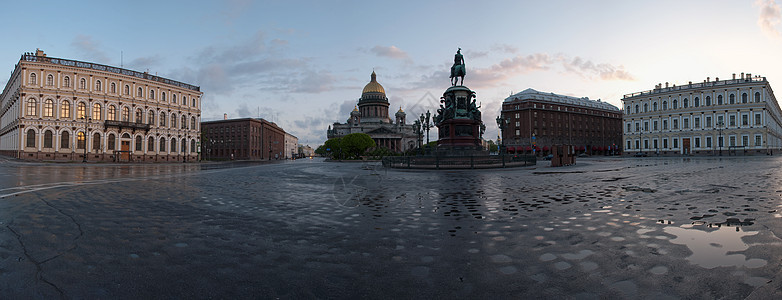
<point>720,124</point>
<point>501,123</point>
<point>86,123</point>
<point>418,131</point>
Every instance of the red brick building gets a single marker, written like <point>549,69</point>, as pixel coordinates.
<point>244,139</point>
<point>537,120</point>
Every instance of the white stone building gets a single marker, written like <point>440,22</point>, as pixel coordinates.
<point>291,146</point>
<point>739,116</point>
<point>60,109</point>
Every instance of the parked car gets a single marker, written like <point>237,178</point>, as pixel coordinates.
<point>640,154</point>
<point>548,157</point>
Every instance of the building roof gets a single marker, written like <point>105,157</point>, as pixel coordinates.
<point>373,86</point>
<point>531,94</point>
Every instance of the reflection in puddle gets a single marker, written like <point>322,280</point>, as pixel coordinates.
<point>710,248</point>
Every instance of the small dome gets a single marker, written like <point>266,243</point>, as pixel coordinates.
<point>355,108</point>
<point>373,86</point>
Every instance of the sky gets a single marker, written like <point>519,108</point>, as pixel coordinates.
<point>303,64</point>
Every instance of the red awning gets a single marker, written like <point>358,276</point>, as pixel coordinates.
<point>511,149</point>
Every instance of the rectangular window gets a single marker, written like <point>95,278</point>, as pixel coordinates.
<point>757,141</point>
<point>629,127</point>
<point>686,123</point>
<point>708,122</point>
<point>732,121</point>
<point>745,140</point>
<point>646,144</point>
<point>696,122</point>
<point>721,121</point>
<point>665,124</point>
<point>654,142</point>
<point>646,126</point>
<point>517,124</point>
<point>517,132</point>
<point>628,145</point>
<point>697,142</point>
<point>654,126</point>
<point>637,126</point>
<point>721,142</point>
<point>675,124</point>
<point>757,119</point>
<point>517,115</point>
<point>732,141</point>
<point>675,143</point>
<point>665,143</point>
<point>744,120</point>
<point>708,142</point>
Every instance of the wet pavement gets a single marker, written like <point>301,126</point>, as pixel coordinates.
<point>661,228</point>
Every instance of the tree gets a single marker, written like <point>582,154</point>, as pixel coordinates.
<point>333,148</point>
<point>355,144</point>
<point>492,146</point>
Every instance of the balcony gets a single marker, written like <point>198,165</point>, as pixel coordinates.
<point>124,124</point>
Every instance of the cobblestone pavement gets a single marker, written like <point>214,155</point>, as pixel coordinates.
<point>695,228</point>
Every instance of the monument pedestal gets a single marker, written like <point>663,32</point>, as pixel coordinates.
<point>459,124</point>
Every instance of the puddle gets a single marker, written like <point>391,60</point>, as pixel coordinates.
<point>710,248</point>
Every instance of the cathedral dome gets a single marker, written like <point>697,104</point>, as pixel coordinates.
<point>373,86</point>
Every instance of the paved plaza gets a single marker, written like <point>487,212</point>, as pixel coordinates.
<point>653,228</point>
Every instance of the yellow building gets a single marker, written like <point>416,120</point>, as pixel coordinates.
<point>60,109</point>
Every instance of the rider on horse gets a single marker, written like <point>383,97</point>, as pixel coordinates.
<point>458,69</point>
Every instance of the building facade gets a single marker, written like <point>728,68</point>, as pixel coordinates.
<point>537,120</point>
<point>242,139</point>
<point>736,116</point>
<point>59,109</point>
<point>371,116</point>
<point>291,146</point>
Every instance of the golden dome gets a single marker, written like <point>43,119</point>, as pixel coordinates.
<point>373,86</point>
<point>400,110</point>
<point>355,108</point>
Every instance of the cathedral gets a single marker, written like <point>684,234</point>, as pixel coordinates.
<point>370,116</point>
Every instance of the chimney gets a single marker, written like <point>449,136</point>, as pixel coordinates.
<point>39,52</point>
<point>225,116</point>
<point>707,79</point>
<point>666,84</point>
<point>742,75</point>
<point>734,76</point>
<point>749,76</point>
<point>716,79</point>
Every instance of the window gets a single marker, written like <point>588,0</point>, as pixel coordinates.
<point>125,114</point>
<point>194,102</point>
<point>98,85</point>
<point>732,141</point>
<point>637,144</point>
<point>646,126</point>
<point>637,127</point>
<point>113,88</point>
<point>665,143</point>
<point>744,98</point>
<point>654,106</point>
<point>732,121</point>
<point>192,123</point>
<point>80,140</point>
<point>665,124</point>
<point>112,142</point>
<point>720,121</point>
<point>173,145</point>
<point>81,110</point>
<point>646,107</point>
<point>192,146</point>
<point>151,117</point>
<point>758,140</point>
<point>97,111</point>
<point>112,113</point>
<point>665,105</point>
<point>697,102</point>
<point>139,117</point>
<point>163,96</point>
<point>629,144</point>
<point>654,142</point>
<point>32,107</point>
<point>675,143</point>
<point>757,96</point>
<point>686,123</point>
<point>83,84</point>
<point>675,123</point>
<point>757,119</point>
<point>719,99</point>
<point>127,89</point>
<point>31,138</point>
<point>66,81</point>
<point>184,145</point>
<point>708,100</point>
<point>173,124</point>
<point>721,141</point>
<point>173,98</point>
<point>744,120</point>
<point>140,92</point>
<point>162,144</point>
<point>675,104</point>
<point>48,108</point>
<point>96,141</point>
<point>138,143</point>
<point>696,122</point>
<point>654,126</point>
<point>708,122</point>
<point>697,142</point>
<point>708,142</point>
<point>184,100</point>
<point>151,144</point>
<point>732,98</point>
<point>151,95</point>
<point>65,109</point>
<point>629,127</point>
<point>686,103</point>
<point>65,140</point>
<point>184,122</point>
<point>33,79</point>
<point>49,81</point>
<point>162,121</point>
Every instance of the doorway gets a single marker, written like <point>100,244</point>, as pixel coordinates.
<point>125,148</point>
<point>686,146</point>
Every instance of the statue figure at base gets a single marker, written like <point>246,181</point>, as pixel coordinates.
<point>458,69</point>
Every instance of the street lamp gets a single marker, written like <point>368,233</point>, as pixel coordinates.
<point>86,123</point>
<point>720,124</point>
<point>501,123</point>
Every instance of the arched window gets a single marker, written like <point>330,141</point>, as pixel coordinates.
<point>127,89</point>
<point>173,145</point>
<point>33,79</point>
<point>49,81</point>
<point>757,96</point>
<point>140,92</point>
<point>83,84</point>
<point>48,139</point>
<point>184,146</point>
<point>719,99</point>
<point>112,115</point>
<point>192,123</point>
<point>192,146</point>
<point>138,143</point>
<point>32,107</point>
<point>744,98</point>
<point>113,88</point>
<point>98,85</point>
<point>31,138</point>
<point>80,140</point>
<point>125,114</point>
<point>686,103</point>
<point>184,100</point>
<point>654,106</point>
<point>646,107</point>
<point>675,104</point>
<point>151,144</point>
<point>96,141</point>
<point>708,100</point>
<point>173,123</point>
<point>97,111</point>
<point>173,98</point>
<point>636,108</point>
<point>162,96</point>
<point>112,142</point>
<point>665,105</point>
<point>697,102</point>
<point>81,110</point>
<point>184,122</point>
<point>162,144</point>
<point>732,99</point>
<point>151,94</point>
<point>65,109</point>
<point>162,119</point>
<point>48,108</point>
<point>139,116</point>
<point>151,117</point>
<point>194,102</point>
<point>65,140</point>
<point>66,81</point>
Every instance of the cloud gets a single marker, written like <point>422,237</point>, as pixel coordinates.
<point>603,70</point>
<point>144,63</point>
<point>90,49</point>
<point>314,82</point>
<point>770,17</point>
<point>390,52</point>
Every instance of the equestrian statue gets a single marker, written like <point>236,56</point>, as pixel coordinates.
<point>458,69</point>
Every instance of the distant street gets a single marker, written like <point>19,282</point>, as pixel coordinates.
<point>606,228</point>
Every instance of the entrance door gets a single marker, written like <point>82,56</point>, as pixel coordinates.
<point>686,146</point>
<point>125,151</point>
